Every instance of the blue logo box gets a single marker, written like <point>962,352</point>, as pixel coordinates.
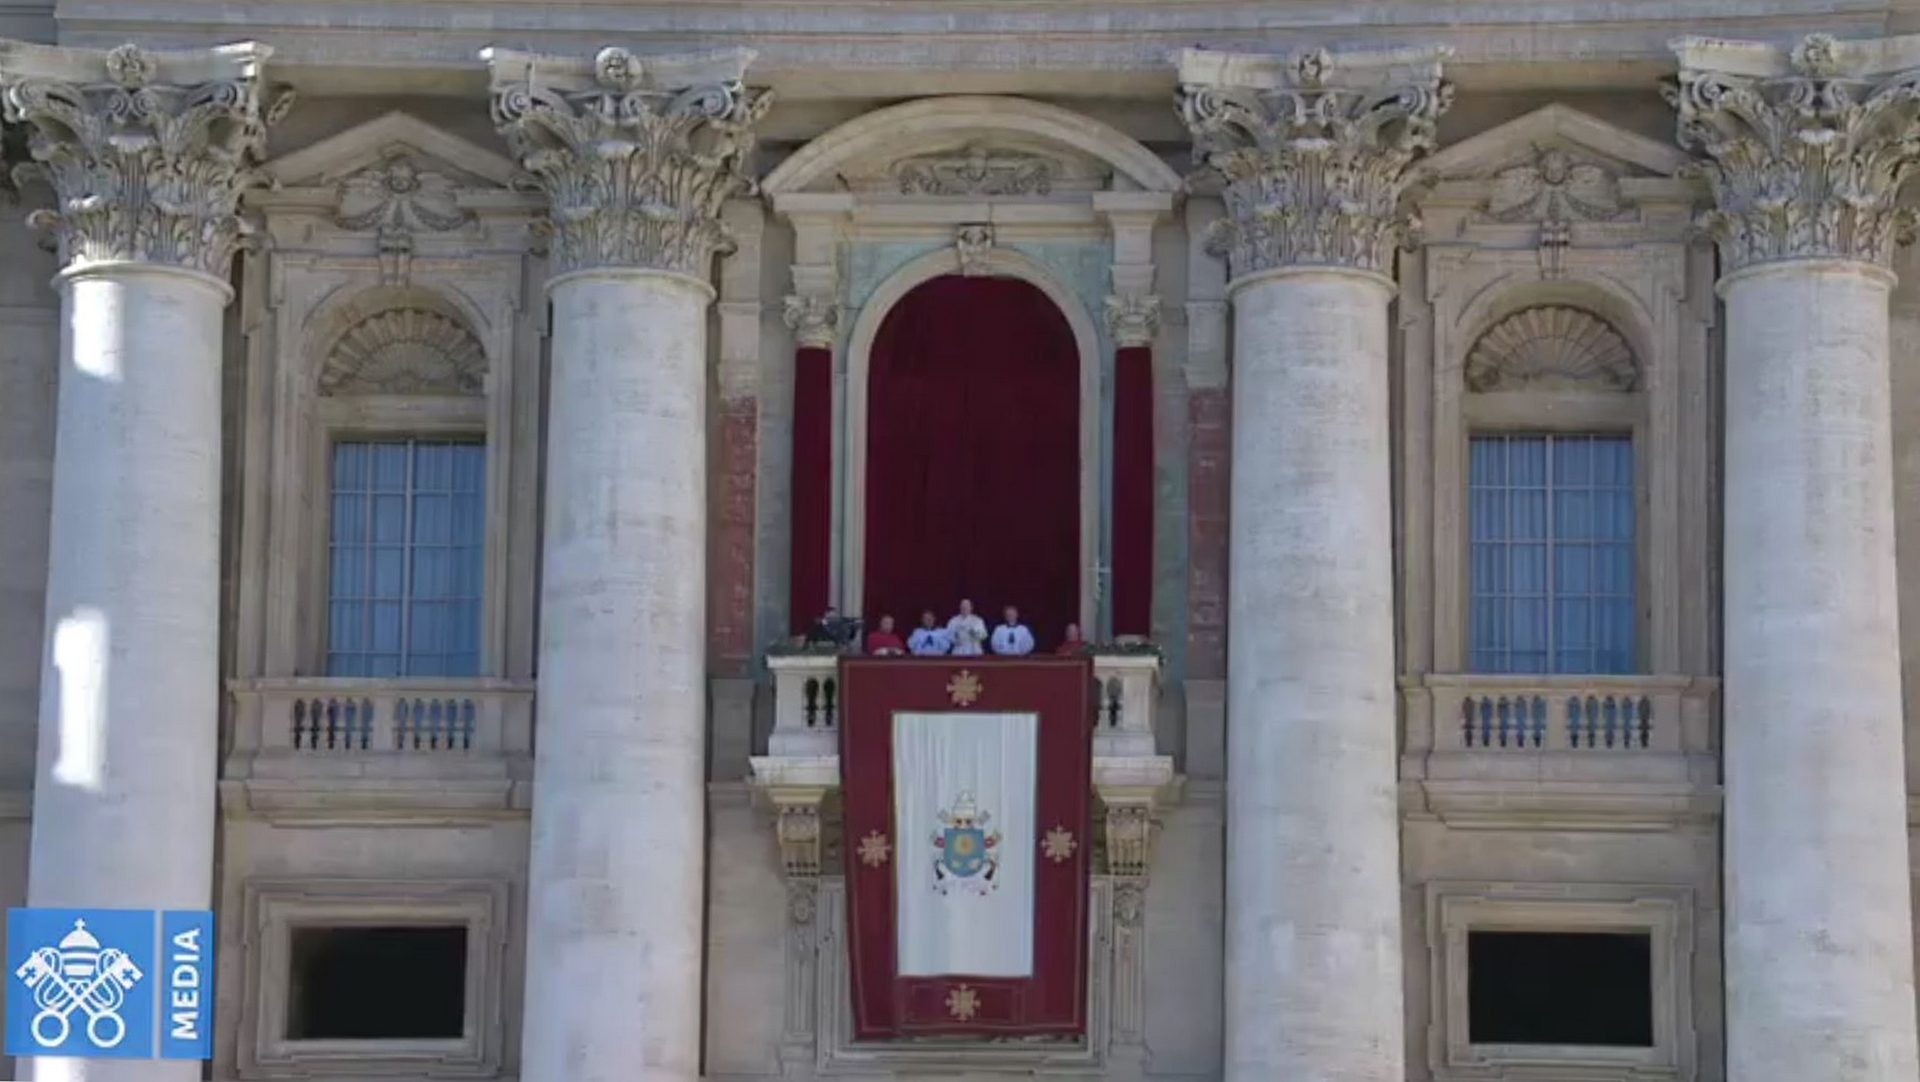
<point>109,983</point>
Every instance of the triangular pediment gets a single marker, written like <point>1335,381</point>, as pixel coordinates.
<point>1581,136</point>
<point>384,139</point>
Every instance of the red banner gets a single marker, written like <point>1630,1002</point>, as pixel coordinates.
<point>1053,999</point>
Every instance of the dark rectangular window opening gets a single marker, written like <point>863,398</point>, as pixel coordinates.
<point>378,983</point>
<point>1585,988</point>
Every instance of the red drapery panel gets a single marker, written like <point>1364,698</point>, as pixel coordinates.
<point>973,456</point>
<point>1054,999</point>
<point>811,538</point>
<point>1133,491</point>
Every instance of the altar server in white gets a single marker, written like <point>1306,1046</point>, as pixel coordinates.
<point>1011,638</point>
<point>929,639</point>
<point>968,630</point>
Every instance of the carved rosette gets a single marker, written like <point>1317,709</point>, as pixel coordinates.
<point>1806,163</point>
<point>1311,158</point>
<point>814,320</point>
<point>1133,319</point>
<point>147,153</point>
<point>636,156</point>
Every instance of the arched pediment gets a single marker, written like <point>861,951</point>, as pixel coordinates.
<point>973,145</point>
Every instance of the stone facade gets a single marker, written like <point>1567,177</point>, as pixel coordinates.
<point>598,236</point>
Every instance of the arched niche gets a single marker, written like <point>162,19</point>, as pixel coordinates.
<point>851,477</point>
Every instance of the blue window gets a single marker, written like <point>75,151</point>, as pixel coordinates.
<point>1552,554</point>
<point>405,568</point>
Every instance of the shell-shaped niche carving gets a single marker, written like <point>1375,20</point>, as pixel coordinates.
<point>405,351</point>
<point>1550,347</point>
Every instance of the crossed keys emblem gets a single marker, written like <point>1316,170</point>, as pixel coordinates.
<point>79,976</point>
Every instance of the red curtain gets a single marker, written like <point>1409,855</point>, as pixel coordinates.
<point>1133,491</point>
<point>973,456</point>
<point>811,538</point>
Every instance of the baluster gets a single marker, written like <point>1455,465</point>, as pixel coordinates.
<point>366,724</point>
<point>442,729</point>
<point>810,701</point>
<point>1486,721</point>
<point>299,721</point>
<point>1114,703</point>
<point>1466,720</point>
<point>1573,721</point>
<point>1593,722</point>
<point>468,711</point>
<point>1610,706</point>
<point>333,722</point>
<point>1539,727</point>
<point>830,702</point>
<point>1645,710</point>
<point>1503,710</point>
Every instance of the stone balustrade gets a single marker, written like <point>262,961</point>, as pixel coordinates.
<point>309,744</point>
<point>1567,752</point>
<point>806,704</point>
<point>1541,713</point>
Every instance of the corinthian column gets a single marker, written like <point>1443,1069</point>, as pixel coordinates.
<point>1806,153</point>
<point>147,154</point>
<point>637,156</point>
<point>1311,155</point>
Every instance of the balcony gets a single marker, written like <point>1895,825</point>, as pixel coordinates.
<point>1560,752</point>
<point>351,749</point>
<point>802,766</point>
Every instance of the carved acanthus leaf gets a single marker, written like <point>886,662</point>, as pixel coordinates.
<point>815,320</point>
<point>1312,157</point>
<point>1133,319</point>
<point>1550,347</point>
<point>405,351</point>
<point>636,157</point>
<point>1806,164</point>
<point>144,170</point>
<point>976,170</point>
<point>1555,187</point>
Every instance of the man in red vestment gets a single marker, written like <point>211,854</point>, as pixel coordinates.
<point>884,641</point>
<point>1073,643</point>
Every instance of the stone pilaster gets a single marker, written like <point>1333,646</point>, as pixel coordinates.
<point>147,154</point>
<point>638,156</point>
<point>1805,150</point>
<point>1310,157</point>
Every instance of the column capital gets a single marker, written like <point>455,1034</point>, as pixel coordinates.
<point>1311,154</point>
<point>1806,147</point>
<point>148,153</point>
<point>813,318</point>
<point>1133,318</point>
<point>637,155</point>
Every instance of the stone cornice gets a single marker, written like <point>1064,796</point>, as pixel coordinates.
<point>1806,148</point>
<point>1311,153</point>
<point>862,49</point>
<point>637,156</point>
<point>147,153</point>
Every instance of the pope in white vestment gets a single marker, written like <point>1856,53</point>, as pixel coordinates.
<point>969,632</point>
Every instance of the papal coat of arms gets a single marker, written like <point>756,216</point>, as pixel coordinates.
<point>967,849</point>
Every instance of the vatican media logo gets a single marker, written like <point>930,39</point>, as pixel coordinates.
<point>109,983</point>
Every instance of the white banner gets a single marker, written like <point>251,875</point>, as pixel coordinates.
<point>963,807</point>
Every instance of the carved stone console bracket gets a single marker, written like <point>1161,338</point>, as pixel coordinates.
<point>1131,790</point>
<point>797,789</point>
